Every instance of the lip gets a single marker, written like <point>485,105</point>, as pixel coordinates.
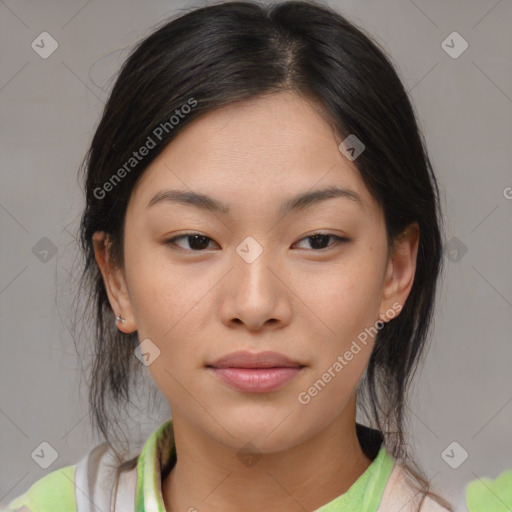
<point>255,373</point>
<point>244,359</point>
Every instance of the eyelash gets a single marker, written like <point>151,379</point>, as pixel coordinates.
<point>339,239</point>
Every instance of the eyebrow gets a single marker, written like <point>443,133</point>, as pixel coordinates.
<point>296,203</point>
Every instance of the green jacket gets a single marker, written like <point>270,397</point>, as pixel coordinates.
<point>95,484</point>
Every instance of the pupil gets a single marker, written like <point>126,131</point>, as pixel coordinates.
<point>199,246</point>
<point>200,242</point>
<point>316,238</point>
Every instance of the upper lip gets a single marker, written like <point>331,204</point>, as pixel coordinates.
<point>243,359</point>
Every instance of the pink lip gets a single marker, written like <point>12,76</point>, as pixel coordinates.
<point>254,380</point>
<point>244,359</point>
<point>255,373</point>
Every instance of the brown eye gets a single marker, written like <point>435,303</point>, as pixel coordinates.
<point>320,241</point>
<point>196,242</point>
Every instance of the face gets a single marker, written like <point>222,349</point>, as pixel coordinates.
<point>304,281</point>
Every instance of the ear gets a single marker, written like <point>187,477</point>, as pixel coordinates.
<point>115,283</point>
<point>400,272</point>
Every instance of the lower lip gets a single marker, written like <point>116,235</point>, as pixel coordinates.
<point>256,380</point>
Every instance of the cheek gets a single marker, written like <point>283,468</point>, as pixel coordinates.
<point>347,297</point>
<point>170,309</point>
<point>347,308</point>
<point>160,292</point>
<point>345,303</point>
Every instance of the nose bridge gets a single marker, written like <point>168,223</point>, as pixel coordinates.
<point>251,267</point>
<point>254,291</point>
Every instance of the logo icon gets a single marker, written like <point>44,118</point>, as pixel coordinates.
<point>455,249</point>
<point>249,249</point>
<point>44,250</point>
<point>351,147</point>
<point>249,454</point>
<point>45,455</point>
<point>454,455</point>
<point>44,45</point>
<point>454,45</point>
<point>146,352</point>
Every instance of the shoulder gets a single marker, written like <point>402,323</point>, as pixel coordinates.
<point>54,492</point>
<point>75,488</point>
<point>399,494</point>
<point>486,493</point>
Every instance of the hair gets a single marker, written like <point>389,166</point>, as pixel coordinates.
<point>229,52</point>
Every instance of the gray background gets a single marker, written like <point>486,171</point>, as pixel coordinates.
<point>49,109</point>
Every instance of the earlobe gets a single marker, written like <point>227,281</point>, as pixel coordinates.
<point>115,284</point>
<point>401,269</point>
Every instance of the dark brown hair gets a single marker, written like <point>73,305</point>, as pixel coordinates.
<point>234,51</point>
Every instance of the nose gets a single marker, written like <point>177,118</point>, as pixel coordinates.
<point>255,294</point>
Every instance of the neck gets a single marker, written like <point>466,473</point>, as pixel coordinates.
<point>210,475</point>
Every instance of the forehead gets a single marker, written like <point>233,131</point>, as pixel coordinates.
<point>268,147</point>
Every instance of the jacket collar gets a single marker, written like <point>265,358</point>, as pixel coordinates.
<point>137,484</point>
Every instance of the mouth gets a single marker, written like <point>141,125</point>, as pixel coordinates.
<point>244,359</point>
<point>255,373</point>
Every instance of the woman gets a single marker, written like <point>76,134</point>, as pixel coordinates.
<point>262,233</point>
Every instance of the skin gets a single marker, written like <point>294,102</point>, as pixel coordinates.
<point>307,303</point>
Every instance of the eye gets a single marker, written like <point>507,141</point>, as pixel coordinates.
<point>196,241</point>
<point>319,240</point>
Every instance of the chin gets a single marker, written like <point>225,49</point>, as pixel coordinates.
<point>268,430</point>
